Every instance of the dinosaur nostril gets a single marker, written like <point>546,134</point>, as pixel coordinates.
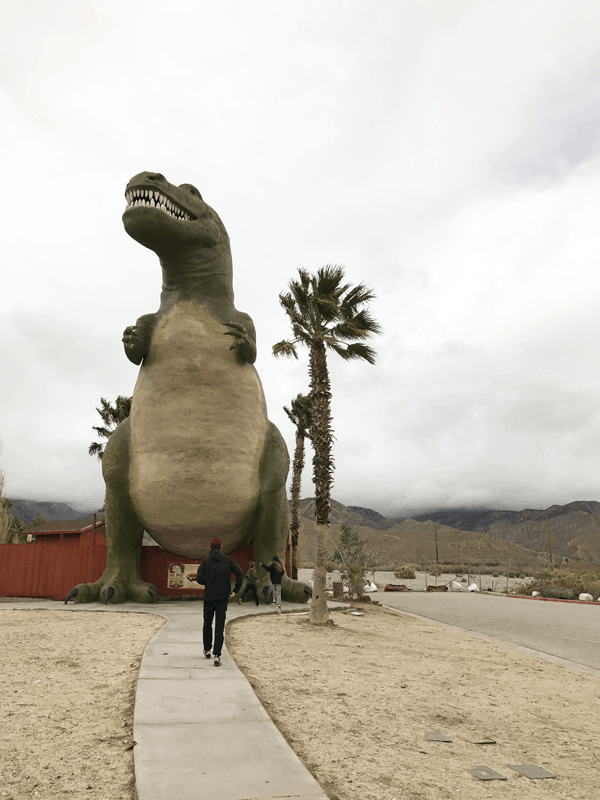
<point>156,176</point>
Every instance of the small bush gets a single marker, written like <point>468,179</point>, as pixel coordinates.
<point>404,573</point>
<point>558,592</point>
<point>571,580</point>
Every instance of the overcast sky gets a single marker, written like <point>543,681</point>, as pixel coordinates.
<point>445,153</point>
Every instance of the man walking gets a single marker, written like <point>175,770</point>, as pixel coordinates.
<point>215,575</point>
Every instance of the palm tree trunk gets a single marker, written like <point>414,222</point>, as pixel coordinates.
<point>295,521</point>
<point>321,436</point>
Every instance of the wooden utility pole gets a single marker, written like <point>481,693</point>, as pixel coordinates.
<point>437,558</point>
<point>457,548</point>
<point>549,537</point>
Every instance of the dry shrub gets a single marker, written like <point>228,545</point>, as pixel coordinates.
<point>404,573</point>
<point>567,582</point>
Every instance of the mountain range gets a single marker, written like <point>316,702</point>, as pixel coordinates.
<point>573,531</point>
<point>28,510</point>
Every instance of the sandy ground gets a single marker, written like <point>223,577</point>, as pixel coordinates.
<point>66,705</point>
<point>355,700</point>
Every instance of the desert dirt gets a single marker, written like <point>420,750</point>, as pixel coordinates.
<point>355,699</point>
<point>66,706</point>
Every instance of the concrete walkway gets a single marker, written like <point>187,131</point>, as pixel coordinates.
<point>201,732</point>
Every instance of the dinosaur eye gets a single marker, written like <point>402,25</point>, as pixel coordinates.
<point>191,189</point>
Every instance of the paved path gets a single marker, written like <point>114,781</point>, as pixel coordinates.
<point>569,631</point>
<point>201,732</point>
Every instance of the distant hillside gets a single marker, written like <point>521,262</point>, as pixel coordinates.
<point>28,510</point>
<point>350,515</point>
<point>413,541</point>
<point>574,528</point>
<point>483,519</point>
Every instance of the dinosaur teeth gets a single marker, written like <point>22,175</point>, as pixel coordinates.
<point>152,199</point>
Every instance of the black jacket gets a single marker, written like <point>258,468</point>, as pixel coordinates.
<point>276,575</point>
<point>215,575</point>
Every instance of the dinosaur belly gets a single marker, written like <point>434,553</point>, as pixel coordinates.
<point>198,429</point>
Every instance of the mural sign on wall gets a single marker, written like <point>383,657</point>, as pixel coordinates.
<point>182,576</point>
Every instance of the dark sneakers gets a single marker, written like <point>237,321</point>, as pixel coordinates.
<point>217,661</point>
<point>207,654</point>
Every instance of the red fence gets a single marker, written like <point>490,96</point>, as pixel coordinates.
<point>52,569</point>
<point>47,570</point>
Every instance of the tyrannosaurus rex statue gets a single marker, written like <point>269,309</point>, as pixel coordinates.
<point>197,457</point>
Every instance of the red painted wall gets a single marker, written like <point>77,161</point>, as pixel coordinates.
<point>47,570</point>
<point>51,569</point>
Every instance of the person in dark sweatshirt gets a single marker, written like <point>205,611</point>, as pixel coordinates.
<point>215,575</point>
<point>251,579</point>
<point>276,572</point>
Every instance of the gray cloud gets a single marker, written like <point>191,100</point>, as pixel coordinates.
<point>446,154</point>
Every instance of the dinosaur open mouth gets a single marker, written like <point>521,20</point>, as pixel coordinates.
<point>154,199</point>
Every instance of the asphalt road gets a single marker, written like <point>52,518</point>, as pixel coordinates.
<point>566,630</point>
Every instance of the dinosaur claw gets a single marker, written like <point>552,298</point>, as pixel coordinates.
<point>71,595</point>
<point>308,591</point>
<point>107,593</point>
<point>153,593</point>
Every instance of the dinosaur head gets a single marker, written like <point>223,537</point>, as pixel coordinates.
<point>170,219</point>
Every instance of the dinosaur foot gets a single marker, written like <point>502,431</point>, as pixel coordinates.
<point>295,591</point>
<point>83,593</point>
<point>113,589</point>
<point>291,591</point>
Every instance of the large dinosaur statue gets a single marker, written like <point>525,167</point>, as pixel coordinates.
<point>197,457</point>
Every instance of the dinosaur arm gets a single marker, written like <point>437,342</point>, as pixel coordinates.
<point>136,338</point>
<point>244,335</point>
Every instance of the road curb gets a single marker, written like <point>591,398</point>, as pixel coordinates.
<point>553,599</point>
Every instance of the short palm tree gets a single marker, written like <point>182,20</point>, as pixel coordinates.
<point>325,313</point>
<point>300,415</point>
<point>111,416</point>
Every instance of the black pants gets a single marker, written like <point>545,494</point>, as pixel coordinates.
<point>252,587</point>
<point>218,610</point>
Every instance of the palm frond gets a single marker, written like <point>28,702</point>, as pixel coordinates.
<point>328,281</point>
<point>103,432</point>
<point>96,449</point>
<point>361,351</point>
<point>323,306</point>
<point>283,348</point>
<point>357,296</point>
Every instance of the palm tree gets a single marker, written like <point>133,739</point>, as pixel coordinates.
<point>300,415</point>
<point>325,313</point>
<point>111,416</point>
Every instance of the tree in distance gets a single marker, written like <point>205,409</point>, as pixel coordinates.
<point>300,414</point>
<point>111,417</point>
<point>354,562</point>
<point>325,313</point>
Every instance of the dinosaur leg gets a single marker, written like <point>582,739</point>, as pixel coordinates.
<point>271,523</point>
<point>121,579</point>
